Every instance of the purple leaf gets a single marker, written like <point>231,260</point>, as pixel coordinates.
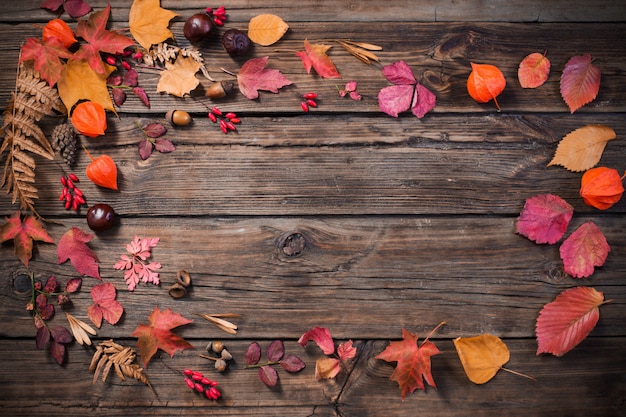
<point>73,285</point>
<point>51,284</point>
<point>130,78</point>
<point>57,351</point>
<point>253,354</point>
<point>115,79</point>
<point>119,96</point>
<point>164,145</point>
<point>61,334</point>
<point>145,149</point>
<point>76,8</point>
<point>291,363</point>
<point>399,73</point>
<point>43,337</point>
<point>52,5</point>
<point>268,375</point>
<point>155,130</point>
<point>423,101</point>
<point>395,99</point>
<point>141,93</point>
<point>275,351</point>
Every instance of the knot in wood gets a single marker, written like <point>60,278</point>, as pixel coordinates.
<point>294,244</point>
<point>21,283</point>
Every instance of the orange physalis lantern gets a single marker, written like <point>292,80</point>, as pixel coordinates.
<point>601,187</point>
<point>102,171</point>
<point>89,119</point>
<point>57,28</point>
<point>485,83</point>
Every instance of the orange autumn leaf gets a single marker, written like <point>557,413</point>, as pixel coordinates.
<point>601,187</point>
<point>485,83</point>
<point>57,28</point>
<point>482,356</point>
<point>533,71</point>
<point>266,29</point>
<point>89,119</point>
<point>102,171</point>
<point>582,148</point>
<point>179,78</point>
<point>80,82</point>
<point>149,22</point>
<point>314,56</point>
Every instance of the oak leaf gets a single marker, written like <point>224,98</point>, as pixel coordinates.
<point>584,249</point>
<point>73,246</point>
<point>533,71</point>
<point>406,94</point>
<point>485,83</point>
<point>47,57</point>
<point>104,306</point>
<point>582,148</point>
<point>482,356</point>
<point>253,76</point>
<point>158,334</point>
<point>23,233</point>
<point>79,82</point>
<point>580,82</point>
<point>266,29</point>
<point>601,187</point>
<point>149,22</point>
<point>179,78</point>
<point>314,56</point>
<point>413,362</point>
<point>544,218</point>
<point>566,321</point>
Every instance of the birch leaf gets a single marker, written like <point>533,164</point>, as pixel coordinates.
<point>266,29</point>
<point>582,148</point>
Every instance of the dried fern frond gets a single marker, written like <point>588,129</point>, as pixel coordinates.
<point>110,355</point>
<point>163,52</point>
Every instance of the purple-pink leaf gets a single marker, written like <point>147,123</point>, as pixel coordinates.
<point>145,149</point>
<point>423,101</point>
<point>580,82</point>
<point>57,351</point>
<point>164,145</point>
<point>73,285</point>
<point>275,351</point>
<point>395,99</point>
<point>76,8</point>
<point>544,218</point>
<point>130,78</point>
<point>253,76</point>
<point>406,94</point>
<point>268,375</point>
<point>321,336</point>
<point>43,337</point>
<point>292,363</point>
<point>399,73</point>
<point>141,93</point>
<point>119,96</point>
<point>61,334</point>
<point>155,130</point>
<point>253,354</point>
<point>583,250</point>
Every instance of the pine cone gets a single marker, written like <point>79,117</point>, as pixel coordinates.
<point>64,140</point>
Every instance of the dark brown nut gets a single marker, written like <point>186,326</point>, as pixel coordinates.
<point>220,89</point>
<point>177,291</point>
<point>198,27</point>
<point>183,278</point>
<point>235,42</point>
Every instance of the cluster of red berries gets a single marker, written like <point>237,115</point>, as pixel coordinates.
<point>199,383</point>
<point>227,121</point>
<point>308,101</point>
<point>112,59</point>
<point>218,15</point>
<point>71,195</point>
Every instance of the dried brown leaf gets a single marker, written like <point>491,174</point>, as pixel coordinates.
<point>110,355</point>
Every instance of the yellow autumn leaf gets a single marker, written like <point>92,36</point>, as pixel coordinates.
<point>266,29</point>
<point>149,22</point>
<point>179,78</point>
<point>582,148</point>
<point>80,82</point>
<point>482,356</point>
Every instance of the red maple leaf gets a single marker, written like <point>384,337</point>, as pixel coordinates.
<point>158,334</point>
<point>73,246</point>
<point>253,76</point>
<point>406,94</point>
<point>314,56</point>
<point>580,82</point>
<point>585,248</point>
<point>23,233</point>
<point>104,306</point>
<point>566,321</point>
<point>413,362</point>
<point>47,57</point>
<point>100,39</point>
<point>544,218</point>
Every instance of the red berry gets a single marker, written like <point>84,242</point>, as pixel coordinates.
<point>64,181</point>
<point>212,117</point>
<point>77,191</point>
<point>216,111</point>
<point>197,376</point>
<point>310,96</point>
<point>198,387</point>
<point>218,21</point>
<point>311,102</point>
<point>68,204</point>
<point>235,120</point>
<point>230,115</point>
<point>70,183</point>
<point>209,10</point>
<point>126,65</point>
<point>110,60</point>
<point>73,177</point>
<point>189,383</point>
<point>188,372</point>
<point>205,381</point>
<point>304,106</point>
<point>230,126</point>
<point>80,199</point>
<point>74,205</point>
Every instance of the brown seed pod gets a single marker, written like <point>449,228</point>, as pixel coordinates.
<point>177,291</point>
<point>220,89</point>
<point>226,355</point>
<point>178,117</point>
<point>183,278</point>
<point>217,346</point>
<point>220,365</point>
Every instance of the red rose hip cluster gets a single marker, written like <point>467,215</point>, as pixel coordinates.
<point>72,196</point>
<point>227,121</point>
<point>198,382</point>
<point>308,101</point>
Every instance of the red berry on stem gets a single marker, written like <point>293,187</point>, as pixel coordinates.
<point>212,117</point>
<point>230,115</point>
<point>73,177</point>
<point>310,96</point>
<point>235,120</point>
<point>216,111</point>
<point>304,106</point>
<point>311,102</point>
<point>189,383</point>
<point>188,372</point>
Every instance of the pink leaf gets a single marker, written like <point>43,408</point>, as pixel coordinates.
<point>141,93</point>
<point>154,130</point>
<point>291,363</point>
<point>321,336</point>
<point>253,76</point>
<point>73,246</point>
<point>399,73</point>
<point>406,94</point>
<point>135,268</point>
<point>73,285</point>
<point>164,145</point>
<point>585,248</point>
<point>76,8</point>
<point>253,354</point>
<point>346,351</point>
<point>145,149</point>
<point>423,101</point>
<point>580,82</point>
<point>533,71</point>
<point>395,99</point>
<point>544,218</point>
<point>566,321</point>
<point>275,351</point>
<point>315,56</point>
<point>268,375</point>
<point>104,306</point>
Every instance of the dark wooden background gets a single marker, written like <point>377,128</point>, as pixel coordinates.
<point>405,222</point>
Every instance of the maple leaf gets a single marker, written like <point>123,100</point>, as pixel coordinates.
<point>148,22</point>
<point>533,71</point>
<point>47,57</point>
<point>253,76</point>
<point>93,30</point>
<point>406,94</point>
<point>75,8</point>
<point>544,218</point>
<point>104,306</point>
<point>79,82</point>
<point>585,248</point>
<point>580,82</point>
<point>582,148</point>
<point>135,265</point>
<point>413,362</point>
<point>158,334</point>
<point>179,78</point>
<point>73,246</point>
<point>566,321</point>
<point>23,233</point>
<point>314,56</point>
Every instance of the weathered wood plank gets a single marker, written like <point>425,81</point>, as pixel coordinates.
<point>353,274</point>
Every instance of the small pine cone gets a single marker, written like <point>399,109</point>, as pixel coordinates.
<point>64,140</point>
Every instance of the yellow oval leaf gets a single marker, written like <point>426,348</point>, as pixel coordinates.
<point>482,356</point>
<point>266,29</point>
<point>582,148</point>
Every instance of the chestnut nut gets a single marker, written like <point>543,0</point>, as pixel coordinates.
<point>178,117</point>
<point>198,27</point>
<point>235,42</point>
<point>100,217</point>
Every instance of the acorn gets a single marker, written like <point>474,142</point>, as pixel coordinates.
<point>183,278</point>
<point>220,365</point>
<point>235,42</point>
<point>178,117</point>
<point>220,89</point>
<point>177,291</point>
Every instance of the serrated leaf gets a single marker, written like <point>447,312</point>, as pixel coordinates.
<point>179,78</point>
<point>580,82</point>
<point>154,130</point>
<point>582,148</point>
<point>23,233</point>
<point>533,71</point>
<point>253,76</point>
<point>544,218</point>
<point>164,145</point>
<point>292,364</point>
<point>47,57</point>
<point>73,246</point>
<point>583,250</point>
<point>266,29</point>
<point>104,306</point>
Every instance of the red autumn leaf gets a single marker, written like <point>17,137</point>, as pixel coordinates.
<point>406,94</point>
<point>485,83</point>
<point>158,334</point>
<point>164,145</point>
<point>268,375</point>
<point>275,351</point>
<point>93,30</point>
<point>566,321</point>
<point>73,285</point>
<point>321,336</point>
<point>292,363</point>
<point>59,29</point>
<point>104,306</point>
<point>253,76</point>
<point>413,362</point>
<point>346,350</point>
<point>42,337</point>
<point>47,57</point>
<point>253,354</point>
<point>533,71</point>
<point>585,248</point>
<point>315,56</point>
<point>544,218</point>
<point>73,246</point>
<point>580,82</point>
<point>601,187</point>
<point>89,119</point>
<point>23,233</point>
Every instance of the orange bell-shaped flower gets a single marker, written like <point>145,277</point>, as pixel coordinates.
<point>89,119</point>
<point>601,187</point>
<point>57,28</point>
